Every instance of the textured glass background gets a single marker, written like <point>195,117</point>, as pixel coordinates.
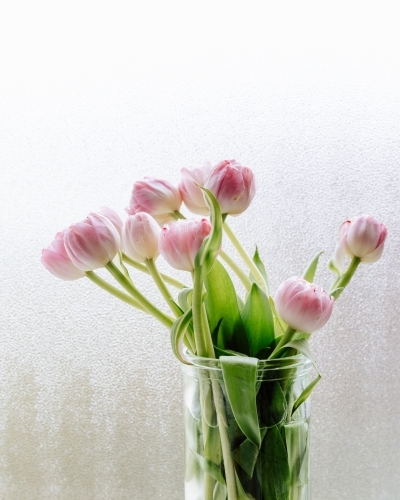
<point>94,96</point>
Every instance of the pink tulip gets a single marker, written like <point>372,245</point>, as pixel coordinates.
<point>92,243</point>
<point>232,185</point>
<point>156,197</point>
<point>180,242</point>
<point>140,236</point>
<point>361,237</point>
<point>55,259</point>
<point>303,305</point>
<point>113,217</point>
<point>191,194</point>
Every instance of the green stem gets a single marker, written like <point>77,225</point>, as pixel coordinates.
<point>286,337</point>
<point>236,269</point>
<point>143,268</point>
<point>130,288</point>
<point>114,291</point>
<point>177,215</point>
<point>202,335</point>
<point>225,443</point>
<point>246,257</point>
<point>151,266</point>
<point>346,277</point>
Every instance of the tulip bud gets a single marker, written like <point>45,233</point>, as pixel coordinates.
<point>232,185</point>
<point>156,197</point>
<point>180,242</point>
<point>113,217</point>
<point>92,243</point>
<point>365,237</point>
<point>140,235</point>
<point>56,260</point>
<point>191,194</point>
<point>302,305</point>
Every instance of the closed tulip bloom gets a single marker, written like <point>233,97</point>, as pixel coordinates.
<point>180,242</point>
<point>302,305</point>
<point>233,186</point>
<point>92,243</point>
<point>113,217</point>
<point>365,238</point>
<point>140,235</point>
<point>191,194</point>
<point>56,260</point>
<point>157,197</point>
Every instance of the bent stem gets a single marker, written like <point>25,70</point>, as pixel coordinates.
<point>141,267</point>
<point>246,257</point>
<point>236,269</point>
<point>151,266</point>
<point>114,291</point>
<point>344,280</point>
<point>166,320</point>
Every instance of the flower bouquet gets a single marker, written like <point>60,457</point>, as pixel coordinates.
<point>245,355</point>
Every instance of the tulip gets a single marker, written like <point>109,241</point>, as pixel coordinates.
<point>113,217</point>
<point>156,197</point>
<point>232,185</point>
<point>361,237</point>
<point>191,194</point>
<point>140,235</point>
<point>92,243</point>
<point>302,305</point>
<point>180,242</point>
<point>56,260</point>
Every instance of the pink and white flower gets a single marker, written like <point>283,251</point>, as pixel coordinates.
<point>140,235</point>
<point>233,185</point>
<point>180,242</point>
<point>92,243</point>
<point>157,197</point>
<point>113,217</point>
<point>361,237</point>
<point>191,194</point>
<point>56,260</point>
<point>302,305</point>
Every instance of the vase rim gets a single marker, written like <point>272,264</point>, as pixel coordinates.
<point>264,365</point>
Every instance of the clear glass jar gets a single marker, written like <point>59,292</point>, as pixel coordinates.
<point>220,462</point>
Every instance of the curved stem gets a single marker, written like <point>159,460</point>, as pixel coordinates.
<point>236,269</point>
<point>246,257</point>
<point>154,273</point>
<point>130,288</point>
<point>202,335</point>
<point>143,268</point>
<point>177,215</point>
<point>114,291</point>
<point>346,277</point>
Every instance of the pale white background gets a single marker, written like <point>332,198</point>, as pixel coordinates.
<point>96,95</point>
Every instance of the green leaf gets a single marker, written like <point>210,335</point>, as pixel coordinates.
<point>246,454</point>
<point>178,331</point>
<point>241,494</point>
<point>309,273</point>
<point>274,474</point>
<point>210,468</point>
<point>225,352</point>
<point>260,266</point>
<point>240,375</point>
<point>221,302</point>
<point>220,491</point>
<point>271,403</point>
<point>212,448</point>
<point>185,298</point>
<point>303,346</point>
<point>307,391</point>
<point>258,320</point>
<point>296,436</point>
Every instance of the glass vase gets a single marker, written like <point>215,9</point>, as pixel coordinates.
<point>220,462</point>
